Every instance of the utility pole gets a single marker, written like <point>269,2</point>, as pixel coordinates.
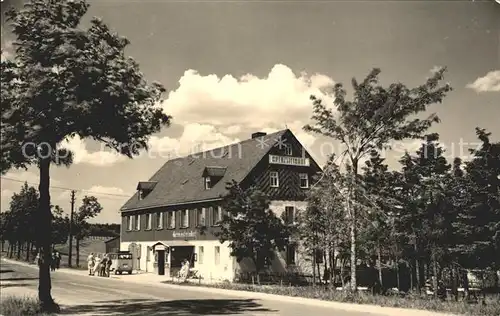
<point>70,249</point>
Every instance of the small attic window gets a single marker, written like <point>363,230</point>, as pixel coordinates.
<point>212,175</point>
<point>144,188</point>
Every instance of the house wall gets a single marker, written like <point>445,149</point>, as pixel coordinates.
<point>208,233</point>
<point>289,193</point>
<point>206,264</point>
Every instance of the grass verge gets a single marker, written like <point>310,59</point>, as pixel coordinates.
<point>410,301</point>
<point>21,306</point>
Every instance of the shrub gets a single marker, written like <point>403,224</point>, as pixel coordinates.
<point>21,306</point>
<point>491,306</point>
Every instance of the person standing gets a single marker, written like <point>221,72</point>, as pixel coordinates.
<point>102,270</point>
<point>108,265</point>
<point>58,260</point>
<point>53,261</point>
<point>97,265</point>
<point>91,263</point>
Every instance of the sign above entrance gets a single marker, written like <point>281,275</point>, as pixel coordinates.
<point>187,234</point>
<point>289,161</point>
<point>159,246</point>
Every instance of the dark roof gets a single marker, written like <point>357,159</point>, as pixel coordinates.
<point>180,180</point>
<point>146,185</point>
<point>111,239</point>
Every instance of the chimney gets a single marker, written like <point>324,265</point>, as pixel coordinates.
<point>258,134</point>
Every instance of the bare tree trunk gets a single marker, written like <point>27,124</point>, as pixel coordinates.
<point>379,265</point>
<point>454,283</point>
<point>10,250</point>
<point>435,273</point>
<point>18,250</point>
<point>314,266</point>
<point>398,280</point>
<point>28,246</point>
<point>417,272</point>
<point>44,221</point>
<point>410,269</point>
<point>332,266</point>
<point>77,248</point>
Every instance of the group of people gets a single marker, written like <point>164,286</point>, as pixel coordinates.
<point>55,260</point>
<point>100,265</point>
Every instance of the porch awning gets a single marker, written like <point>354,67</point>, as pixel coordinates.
<point>170,243</point>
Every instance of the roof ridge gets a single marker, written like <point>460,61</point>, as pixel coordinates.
<point>229,145</point>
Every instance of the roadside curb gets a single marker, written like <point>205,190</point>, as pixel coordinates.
<point>373,309</point>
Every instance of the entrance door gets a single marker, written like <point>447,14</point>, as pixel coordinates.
<point>161,262</point>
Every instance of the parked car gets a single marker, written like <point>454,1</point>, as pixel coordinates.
<point>121,262</point>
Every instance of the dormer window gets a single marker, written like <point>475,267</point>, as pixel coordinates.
<point>212,175</point>
<point>288,150</point>
<point>144,188</point>
<point>208,183</point>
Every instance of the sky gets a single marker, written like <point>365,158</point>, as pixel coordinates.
<point>232,68</point>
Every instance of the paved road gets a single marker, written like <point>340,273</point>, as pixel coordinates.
<point>101,296</point>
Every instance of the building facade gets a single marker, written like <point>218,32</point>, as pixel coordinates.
<point>174,215</point>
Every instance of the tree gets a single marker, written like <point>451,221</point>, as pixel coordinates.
<point>66,81</point>
<point>23,208</point>
<point>252,229</point>
<point>478,224</point>
<point>60,226</point>
<point>321,225</point>
<point>90,208</point>
<point>375,116</point>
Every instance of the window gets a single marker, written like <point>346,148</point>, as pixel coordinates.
<point>200,216</point>
<point>216,215</point>
<point>304,180</point>
<point>159,220</point>
<point>290,254</point>
<point>217,255</point>
<point>171,220</point>
<point>208,183</point>
<point>289,214</point>
<point>185,218</point>
<point>137,221</point>
<point>149,221</point>
<point>275,182</point>
<point>288,149</point>
<point>201,252</point>
<point>129,223</point>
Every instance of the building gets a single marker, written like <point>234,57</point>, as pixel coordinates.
<point>112,245</point>
<point>161,222</point>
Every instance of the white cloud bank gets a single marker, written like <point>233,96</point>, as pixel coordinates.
<point>214,110</point>
<point>489,83</point>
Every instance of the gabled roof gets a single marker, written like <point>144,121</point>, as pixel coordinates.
<point>180,180</point>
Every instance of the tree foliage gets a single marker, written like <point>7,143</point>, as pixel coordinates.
<point>66,81</point>
<point>374,117</point>
<point>254,232</point>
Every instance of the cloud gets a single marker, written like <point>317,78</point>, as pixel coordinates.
<point>195,137</point>
<point>214,111</point>
<point>100,158</point>
<point>249,102</point>
<point>489,83</point>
